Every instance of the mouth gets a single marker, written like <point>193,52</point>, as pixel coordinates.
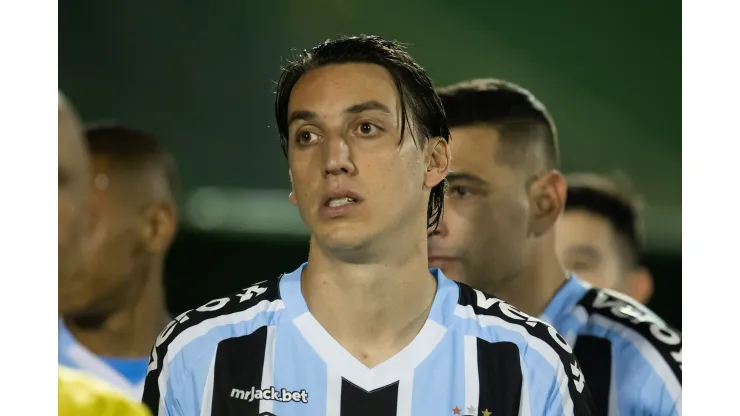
<point>338,203</point>
<point>440,260</point>
<point>341,197</point>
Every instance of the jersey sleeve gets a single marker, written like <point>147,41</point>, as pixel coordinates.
<point>554,381</point>
<point>181,365</point>
<point>648,383</point>
<point>646,354</point>
<point>169,375</point>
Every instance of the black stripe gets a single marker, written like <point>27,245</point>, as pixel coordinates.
<point>499,378</point>
<point>595,357</point>
<point>357,401</point>
<point>237,374</point>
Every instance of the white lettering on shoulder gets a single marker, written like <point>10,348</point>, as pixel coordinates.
<point>163,336</point>
<point>484,302</point>
<point>250,292</point>
<point>214,305</point>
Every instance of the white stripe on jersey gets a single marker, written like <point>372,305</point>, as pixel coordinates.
<point>268,369</point>
<point>524,405</point>
<point>196,331</point>
<point>387,372</point>
<point>648,352</point>
<point>207,400</point>
<point>333,391</point>
<point>613,397</point>
<point>405,394</point>
<point>546,351</point>
<point>472,382</point>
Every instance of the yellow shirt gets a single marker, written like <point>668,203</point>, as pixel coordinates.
<point>82,395</point>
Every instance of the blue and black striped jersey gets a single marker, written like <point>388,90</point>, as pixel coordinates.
<point>261,352</point>
<point>631,358</point>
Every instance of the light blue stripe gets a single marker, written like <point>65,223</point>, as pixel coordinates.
<point>298,367</point>
<point>440,373</point>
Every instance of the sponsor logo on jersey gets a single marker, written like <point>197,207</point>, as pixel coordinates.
<point>256,289</point>
<point>517,315</point>
<point>622,307</point>
<point>270,394</point>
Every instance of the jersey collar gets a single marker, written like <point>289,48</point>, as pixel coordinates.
<point>567,296</point>
<point>443,306</point>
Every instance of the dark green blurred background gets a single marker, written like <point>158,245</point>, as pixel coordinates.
<point>200,75</point>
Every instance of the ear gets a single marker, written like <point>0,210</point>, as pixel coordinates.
<point>640,285</point>
<point>437,157</point>
<point>160,226</point>
<point>547,201</point>
<point>291,196</point>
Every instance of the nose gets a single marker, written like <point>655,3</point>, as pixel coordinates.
<point>338,157</point>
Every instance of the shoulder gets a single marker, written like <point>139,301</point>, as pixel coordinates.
<point>81,394</point>
<point>626,321</point>
<point>490,311</point>
<point>502,319</point>
<point>499,321</point>
<point>248,309</point>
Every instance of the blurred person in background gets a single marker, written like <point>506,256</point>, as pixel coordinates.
<point>498,235</point>
<point>78,393</point>
<point>599,237</point>
<point>363,328</point>
<point>74,186</point>
<point>121,306</point>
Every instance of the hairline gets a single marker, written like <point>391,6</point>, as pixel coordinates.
<point>620,241</point>
<point>508,146</point>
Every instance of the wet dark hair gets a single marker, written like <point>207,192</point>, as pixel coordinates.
<point>420,105</point>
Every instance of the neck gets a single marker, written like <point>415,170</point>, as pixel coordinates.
<point>532,290</point>
<point>130,331</point>
<point>374,310</point>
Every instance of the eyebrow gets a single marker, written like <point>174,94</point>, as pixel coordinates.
<point>460,176</point>
<point>367,106</point>
<point>306,115</point>
<point>584,250</point>
<point>302,115</point>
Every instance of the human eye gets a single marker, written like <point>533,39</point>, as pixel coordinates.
<point>459,192</point>
<point>368,129</point>
<point>306,137</point>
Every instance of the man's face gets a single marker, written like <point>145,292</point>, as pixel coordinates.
<point>482,238</point>
<point>114,250</point>
<point>73,190</point>
<point>351,179</point>
<point>587,246</point>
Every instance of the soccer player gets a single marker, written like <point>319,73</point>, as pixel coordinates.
<point>79,394</point>
<point>364,328</point>
<point>599,236</point>
<point>122,307</point>
<point>497,234</point>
